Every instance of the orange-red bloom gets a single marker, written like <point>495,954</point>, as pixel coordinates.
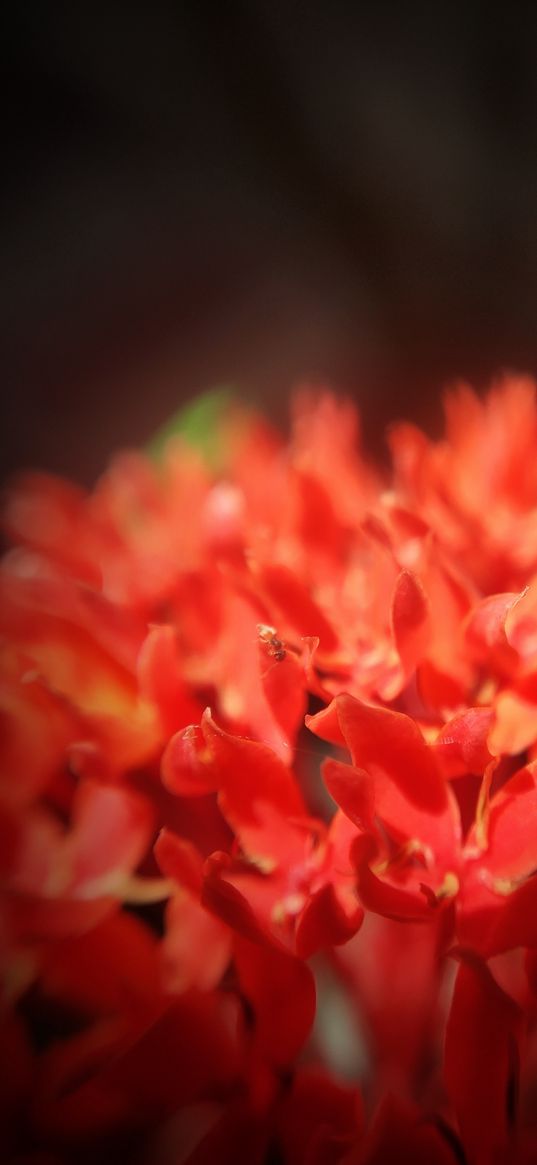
<point>221,939</point>
<point>411,853</point>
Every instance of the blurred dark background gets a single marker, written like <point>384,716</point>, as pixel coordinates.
<point>254,194</point>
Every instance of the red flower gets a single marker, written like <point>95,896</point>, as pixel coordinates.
<point>410,853</point>
<point>482,1058</point>
<point>59,882</point>
<point>292,878</point>
<point>196,943</point>
<point>477,488</point>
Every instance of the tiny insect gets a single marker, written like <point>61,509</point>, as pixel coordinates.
<point>268,636</point>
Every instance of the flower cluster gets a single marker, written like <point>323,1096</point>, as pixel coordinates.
<point>268,796</point>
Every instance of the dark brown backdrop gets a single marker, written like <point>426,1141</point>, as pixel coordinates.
<point>251,196</point>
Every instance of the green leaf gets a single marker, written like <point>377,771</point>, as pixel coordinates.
<point>198,423</point>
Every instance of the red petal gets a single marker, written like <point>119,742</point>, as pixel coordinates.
<point>401,1012</point>
<point>326,724</point>
<point>410,796</point>
<point>393,901</point>
<point>515,719</point>
<point>262,693</point>
<point>117,1075</point>
<point>179,859</point>
<point>196,948</point>
<point>51,516</point>
<point>36,728</point>
<point>390,744</point>
<point>257,793</point>
<point>531,969</point>
<point>111,833</point>
<point>324,922</point>
<point>229,903</point>
<point>491,923</point>
<point>281,990</point>
<point>32,918</point>
<point>187,767</point>
<point>401,1134</point>
<point>298,610</point>
<point>511,830</point>
<point>461,746</point>
<point>317,1118</point>
<point>84,649</point>
<point>480,1060</point>
<point>485,632</point>
<point>438,689</point>
<point>113,968</point>
<point>161,681</point>
<point>410,613</point>
<point>408,447</point>
<point>352,790</point>
<point>520,621</point>
<point>283,683</point>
